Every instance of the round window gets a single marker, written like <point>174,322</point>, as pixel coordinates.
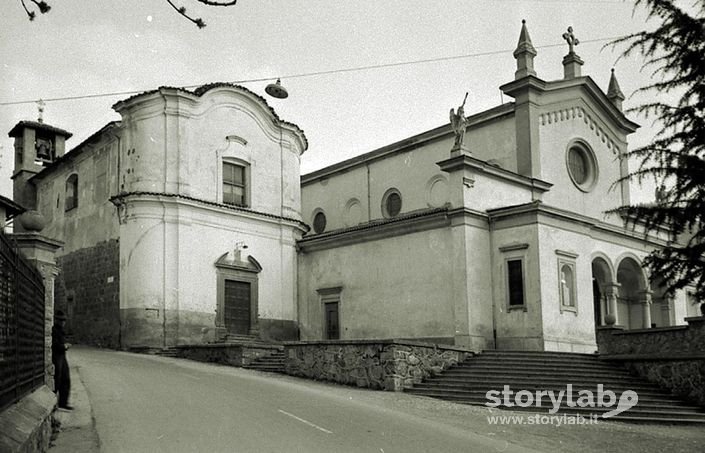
<point>582,167</point>
<point>319,222</point>
<point>392,203</point>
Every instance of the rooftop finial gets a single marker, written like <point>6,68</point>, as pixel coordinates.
<point>40,107</point>
<point>571,39</point>
<point>614,92</point>
<point>524,54</point>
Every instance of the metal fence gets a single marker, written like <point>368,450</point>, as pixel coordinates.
<point>21,325</point>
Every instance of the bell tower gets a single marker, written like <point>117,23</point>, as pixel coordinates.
<point>37,145</point>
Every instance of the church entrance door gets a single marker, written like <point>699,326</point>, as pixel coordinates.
<point>237,307</point>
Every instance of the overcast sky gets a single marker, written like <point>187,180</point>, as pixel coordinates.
<point>90,47</point>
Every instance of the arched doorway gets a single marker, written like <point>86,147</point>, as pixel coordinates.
<point>634,301</point>
<point>601,279</point>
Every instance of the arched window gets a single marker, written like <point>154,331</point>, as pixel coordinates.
<point>567,286</point>
<point>71,192</point>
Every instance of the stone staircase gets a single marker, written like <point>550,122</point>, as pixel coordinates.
<point>232,338</point>
<point>469,382</point>
<point>168,352</point>
<point>273,363</point>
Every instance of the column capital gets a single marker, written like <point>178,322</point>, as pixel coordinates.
<point>645,296</point>
<point>611,288</point>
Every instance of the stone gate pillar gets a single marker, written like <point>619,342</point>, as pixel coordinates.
<point>40,251</point>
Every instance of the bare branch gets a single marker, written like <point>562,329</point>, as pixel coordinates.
<point>181,10</point>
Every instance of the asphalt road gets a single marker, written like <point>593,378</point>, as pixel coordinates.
<point>152,404</point>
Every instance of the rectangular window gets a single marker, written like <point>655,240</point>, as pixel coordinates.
<point>71,192</point>
<point>332,321</point>
<point>515,280</point>
<point>234,184</point>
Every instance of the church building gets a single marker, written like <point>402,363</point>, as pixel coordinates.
<point>188,221</point>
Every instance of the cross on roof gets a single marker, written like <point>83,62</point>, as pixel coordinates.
<point>570,39</point>
<point>40,107</point>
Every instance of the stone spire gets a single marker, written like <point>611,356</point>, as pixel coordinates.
<point>614,93</point>
<point>524,54</point>
<point>571,62</point>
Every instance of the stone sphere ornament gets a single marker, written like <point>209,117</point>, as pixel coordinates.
<point>610,319</point>
<point>32,221</point>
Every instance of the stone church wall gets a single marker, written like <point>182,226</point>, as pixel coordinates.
<point>87,290</point>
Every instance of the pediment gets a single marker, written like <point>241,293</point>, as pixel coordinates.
<point>232,260</point>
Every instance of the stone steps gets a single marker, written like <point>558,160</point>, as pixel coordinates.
<point>469,382</point>
<point>272,363</point>
<point>168,352</point>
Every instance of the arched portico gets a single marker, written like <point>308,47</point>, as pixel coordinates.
<point>662,305</point>
<point>605,290</point>
<point>634,300</point>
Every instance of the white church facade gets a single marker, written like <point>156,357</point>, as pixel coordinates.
<point>188,220</point>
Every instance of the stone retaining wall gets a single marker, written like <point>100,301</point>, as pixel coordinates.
<point>672,357</point>
<point>377,364</point>
<point>25,427</point>
<point>226,354</point>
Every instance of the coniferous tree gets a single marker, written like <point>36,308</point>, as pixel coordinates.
<point>675,157</point>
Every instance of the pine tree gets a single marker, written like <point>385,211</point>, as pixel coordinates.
<point>675,157</point>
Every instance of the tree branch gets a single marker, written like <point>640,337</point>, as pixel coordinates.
<point>181,10</point>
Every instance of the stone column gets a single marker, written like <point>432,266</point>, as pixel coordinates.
<point>40,251</point>
<point>645,300</point>
<point>666,305</point>
<point>611,291</point>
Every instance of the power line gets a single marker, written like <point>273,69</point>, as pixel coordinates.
<point>309,74</point>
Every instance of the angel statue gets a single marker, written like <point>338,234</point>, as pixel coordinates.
<point>458,122</point>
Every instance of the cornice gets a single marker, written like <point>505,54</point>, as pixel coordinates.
<point>579,113</point>
<point>585,83</point>
<point>193,98</point>
<point>121,199</point>
<point>466,161</point>
<point>537,210</point>
<point>412,222</point>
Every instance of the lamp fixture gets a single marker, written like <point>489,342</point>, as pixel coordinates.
<point>276,90</point>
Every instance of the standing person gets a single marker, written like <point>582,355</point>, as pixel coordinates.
<point>62,377</point>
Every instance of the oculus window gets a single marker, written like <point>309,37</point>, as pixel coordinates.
<point>391,203</point>
<point>582,166</point>
<point>319,222</point>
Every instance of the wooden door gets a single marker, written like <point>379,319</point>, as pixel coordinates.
<point>237,307</point>
<point>332,321</point>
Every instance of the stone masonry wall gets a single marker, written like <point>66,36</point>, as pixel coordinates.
<point>673,357</point>
<point>377,364</point>
<point>25,427</point>
<point>87,290</point>
<point>226,354</point>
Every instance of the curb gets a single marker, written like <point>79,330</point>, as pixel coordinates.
<point>76,429</point>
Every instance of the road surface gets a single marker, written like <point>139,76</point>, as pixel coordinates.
<point>144,403</point>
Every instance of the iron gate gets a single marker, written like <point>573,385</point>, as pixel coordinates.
<point>21,325</point>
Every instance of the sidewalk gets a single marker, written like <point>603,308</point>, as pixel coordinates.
<point>76,432</point>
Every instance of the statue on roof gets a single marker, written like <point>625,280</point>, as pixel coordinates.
<point>458,122</point>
